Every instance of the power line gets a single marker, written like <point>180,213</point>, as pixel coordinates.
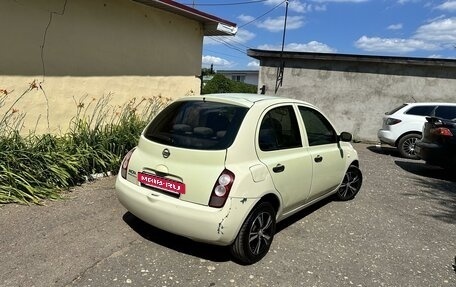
<point>221,39</point>
<point>220,53</point>
<point>231,46</point>
<point>225,4</point>
<point>229,40</point>
<point>264,14</point>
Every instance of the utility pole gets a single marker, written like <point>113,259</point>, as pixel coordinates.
<point>279,77</point>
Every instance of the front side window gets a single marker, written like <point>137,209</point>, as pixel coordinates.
<point>197,125</point>
<point>279,130</point>
<point>319,130</point>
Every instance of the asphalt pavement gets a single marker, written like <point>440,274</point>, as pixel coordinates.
<point>400,230</point>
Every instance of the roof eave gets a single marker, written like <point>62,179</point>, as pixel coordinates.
<point>213,26</point>
<point>262,54</point>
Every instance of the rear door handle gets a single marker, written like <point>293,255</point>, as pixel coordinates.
<point>278,168</point>
<point>318,158</point>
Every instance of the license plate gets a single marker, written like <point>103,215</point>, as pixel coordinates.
<point>161,183</point>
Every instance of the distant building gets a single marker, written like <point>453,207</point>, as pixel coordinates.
<point>355,91</point>
<point>243,76</point>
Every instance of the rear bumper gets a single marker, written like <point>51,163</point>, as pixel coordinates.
<point>436,154</point>
<point>386,137</point>
<point>194,221</point>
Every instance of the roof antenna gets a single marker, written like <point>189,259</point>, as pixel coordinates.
<point>279,77</point>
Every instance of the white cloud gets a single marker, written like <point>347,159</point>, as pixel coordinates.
<point>245,18</point>
<point>437,35</point>
<point>254,64</point>
<point>341,1</point>
<point>276,24</point>
<point>442,31</point>
<point>447,6</point>
<point>312,46</point>
<point>395,45</point>
<point>216,61</point>
<point>395,26</point>
<point>406,1</point>
<point>295,5</point>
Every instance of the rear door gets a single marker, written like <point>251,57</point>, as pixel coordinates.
<point>279,147</point>
<point>327,157</point>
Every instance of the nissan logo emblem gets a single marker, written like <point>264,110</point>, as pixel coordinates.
<point>166,153</point>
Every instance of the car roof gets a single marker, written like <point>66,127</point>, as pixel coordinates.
<point>244,99</point>
<point>430,103</point>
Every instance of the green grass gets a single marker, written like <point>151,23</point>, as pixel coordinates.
<point>35,166</point>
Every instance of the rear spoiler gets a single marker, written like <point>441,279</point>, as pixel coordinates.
<point>440,121</point>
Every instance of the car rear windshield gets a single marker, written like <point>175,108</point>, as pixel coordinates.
<point>197,125</point>
<point>395,110</point>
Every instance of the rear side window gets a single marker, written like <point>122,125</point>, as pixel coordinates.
<point>446,112</point>
<point>279,130</point>
<point>197,125</point>
<point>421,110</point>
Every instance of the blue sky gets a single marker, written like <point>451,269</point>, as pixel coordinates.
<point>409,28</point>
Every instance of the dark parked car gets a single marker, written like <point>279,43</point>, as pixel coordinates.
<point>438,144</point>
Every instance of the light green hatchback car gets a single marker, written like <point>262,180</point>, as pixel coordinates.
<point>225,168</point>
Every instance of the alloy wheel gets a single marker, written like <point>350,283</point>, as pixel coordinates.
<point>261,233</point>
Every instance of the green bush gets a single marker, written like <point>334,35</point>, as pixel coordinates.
<point>221,84</point>
<point>36,167</point>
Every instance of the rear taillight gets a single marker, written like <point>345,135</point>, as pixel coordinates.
<point>221,189</point>
<point>125,162</point>
<point>392,121</point>
<point>442,132</point>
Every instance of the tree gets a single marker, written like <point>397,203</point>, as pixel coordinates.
<point>221,84</point>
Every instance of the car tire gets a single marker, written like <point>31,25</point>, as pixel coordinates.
<point>256,234</point>
<point>406,146</point>
<point>351,184</point>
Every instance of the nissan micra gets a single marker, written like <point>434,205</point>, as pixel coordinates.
<point>225,168</point>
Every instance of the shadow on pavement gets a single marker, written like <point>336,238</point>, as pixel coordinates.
<point>302,214</point>
<point>424,170</point>
<point>386,150</point>
<point>175,242</point>
<point>435,185</point>
<point>202,250</point>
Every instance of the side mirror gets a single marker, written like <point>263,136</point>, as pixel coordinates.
<point>345,137</point>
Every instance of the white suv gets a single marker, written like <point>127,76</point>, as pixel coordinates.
<point>403,126</point>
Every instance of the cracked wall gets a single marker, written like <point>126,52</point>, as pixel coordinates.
<point>81,47</point>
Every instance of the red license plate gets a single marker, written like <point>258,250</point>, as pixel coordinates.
<point>161,183</point>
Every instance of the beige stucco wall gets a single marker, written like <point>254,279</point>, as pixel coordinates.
<point>92,48</point>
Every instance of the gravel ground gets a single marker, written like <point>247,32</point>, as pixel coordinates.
<point>399,231</point>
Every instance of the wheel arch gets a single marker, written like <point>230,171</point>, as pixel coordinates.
<point>396,143</point>
<point>272,199</point>
<point>355,163</point>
